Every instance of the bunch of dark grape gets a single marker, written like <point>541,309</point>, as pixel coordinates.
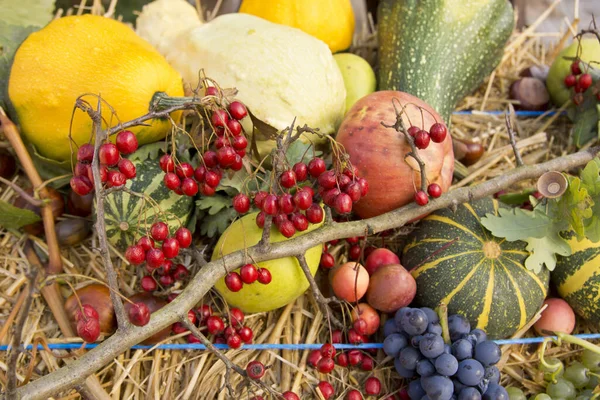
<point>577,381</point>
<point>463,370</point>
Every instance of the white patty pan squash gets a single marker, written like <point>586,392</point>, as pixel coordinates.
<point>281,73</point>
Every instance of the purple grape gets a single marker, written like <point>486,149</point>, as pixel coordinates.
<point>487,353</point>
<point>446,365</point>
<point>470,372</point>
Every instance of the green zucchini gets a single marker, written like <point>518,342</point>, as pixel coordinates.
<point>440,50</point>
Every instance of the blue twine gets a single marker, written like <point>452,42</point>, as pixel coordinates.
<point>277,346</point>
<point>524,114</point>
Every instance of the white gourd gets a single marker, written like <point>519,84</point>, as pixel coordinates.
<point>281,73</point>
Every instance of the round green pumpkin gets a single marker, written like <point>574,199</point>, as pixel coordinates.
<point>128,217</point>
<point>456,261</point>
<point>577,278</point>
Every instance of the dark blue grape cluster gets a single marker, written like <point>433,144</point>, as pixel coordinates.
<point>463,370</point>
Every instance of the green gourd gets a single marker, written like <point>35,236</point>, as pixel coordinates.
<point>440,50</point>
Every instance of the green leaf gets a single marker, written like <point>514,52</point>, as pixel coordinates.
<point>517,224</point>
<point>235,181</point>
<point>213,204</point>
<point>11,36</point>
<point>12,217</point>
<point>212,225</point>
<point>544,250</point>
<point>299,151</point>
<point>573,207</point>
<point>148,151</point>
<point>585,118</point>
<point>27,12</point>
<point>590,180</point>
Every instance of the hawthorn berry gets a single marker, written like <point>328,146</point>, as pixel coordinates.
<point>85,153</point>
<point>248,273</point>
<point>264,276</point>
<point>184,170</point>
<point>86,311</point>
<point>135,254</point>
<point>422,139</point>
<point>327,260</point>
<point>126,142</point>
<point>219,118</point>
<point>316,167</point>
<point>287,229</point>
<point>413,130</point>
<point>269,205</point>
<point>154,258</point>
<point>236,317</point>
<point>172,181</point>
<point>367,364</point>
<point>212,179</point>
<point>234,341</point>
<point>354,395</point>
<point>233,281</point>
<point>211,91</point>
<point>287,179</point>
<point>81,169</point>
<point>438,132</point>
<point>139,314</point>
<point>159,231</point>
<point>372,386</point>
<point>301,171</point>
<point>585,81</point>
<point>300,221</point>
<point>260,219</point>
<point>241,203</point>
<point>326,389</point>
<point>146,242</point>
<point>421,198</point>
<point>239,142</point>
<point>237,110</point>
<point>236,129</point>
<point>108,154</point>
<point>166,163</point>
<point>313,358</point>
<point>148,284</point>
<point>246,334</point>
<point>184,237</point>
<point>210,159</point>
<point>181,272</point>
<point>328,350</point>
<point>170,247</point>
<point>88,329</point>
<point>289,395</point>
<point>355,357</point>
<point>570,81</point>
<point>434,190</point>
<point>81,185</point>
<point>302,199</point>
<point>286,203</point>
<point>354,252</point>
<point>343,203</point>
<point>575,69</point>
<point>255,369</point>
<point>315,213</point>
<point>215,325</point>
<point>115,179</point>
<point>325,365</point>
<point>189,187</point>
<point>127,168</point>
<point>226,156</point>
<point>327,180</point>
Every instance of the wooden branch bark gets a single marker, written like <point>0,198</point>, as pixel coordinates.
<point>72,374</point>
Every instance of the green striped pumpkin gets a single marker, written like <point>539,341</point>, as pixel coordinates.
<point>456,261</point>
<point>577,278</point>
<point>128,217</point>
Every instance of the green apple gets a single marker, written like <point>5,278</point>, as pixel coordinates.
<point>590,51</point>
<point>358,76</point>
<point>288,280</point>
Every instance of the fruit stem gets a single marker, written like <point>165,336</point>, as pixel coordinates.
<point>556,368</point>
<point>442,311</point>
<point>575,340</point>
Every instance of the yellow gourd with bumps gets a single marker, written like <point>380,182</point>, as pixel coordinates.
<point>79,55</point>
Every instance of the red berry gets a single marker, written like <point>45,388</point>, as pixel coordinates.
<point>279,219</point>
<point>237,110</point>
<point>81,185</point>
<point>360,326</point>
<point>184,170</point>
<point>289,395</point>
<point>327,180</point>
<point>260,219</point>
<point>127,168</point>
<point>238,163</point>
<point>355,357</point>
<point>330,195</point>
<point>189,187</point>
<point>204,311</point>
<point>316,167</point>
<point>146,242</point>
<point>81,169</point>
<point>165,268</point>
<point>170,247</point>
<point>210,159</point>
<point>343,203</point>
<point>215,325</point>
<point>86,311</point>
<point>302,199</point>
<point>264,276</point>
<point>585,81</point>
<point>422,139</point>
<point>270,205</point>
<point>326,389</point>
<point>103,171</point>
<point>413,130</point>
<point>212,179</point>
<point>364,186</point>
<point>372,386</point>
<point>259,199</point>
<point>434,190</point>
<point>246,334</point>
<point>287,229</point>
<point>172,181</point>
<point>181,272</point>
<point>166,163</point>
<point>575,69</point>
<point>344,181</point>
<point>234,341</point>
<point>325,365</point>
<point>159,231</point>
<point>286,204</point>
<point>255,369</point>
<point>421,198</point>
<point>211,91</point>
<point>570,80</point>
<point>126,142</point>
<point>139,314</point>
<point>354,252</point>
<point>241,203</point>
<point>342,360</point>
<point>135,254</point>
<point>184,237</point>
<point>154,258</point>
<point>219,118</point>
<point>235,128</point>
<point>248,273</point>
<point>199,173</point>
<point>301,171</point>
<point>88,329</point>
<point>287,179</point>
<point>236,317</point>
<point>353,240</point>
<point>233,281</point>
<point>192,317</point>
<point>109,154</point>
<point>578,88</point>
<point>328,350</point>
<point>367,364</point>
<point>300,221</point>
<point>354,395</point>
<point>115,179</point>
<point>355,337</point>
<point>315,214</point>
<point>438,132</point>
<point>337,336</point>
<point>239,142</point>
<point>166,280</point>
<point>178,328</point>
<point>148,284</point>
<point>85,153</point>
<point>314,357</point>
<point>226,156</point>
<point>327,260</point>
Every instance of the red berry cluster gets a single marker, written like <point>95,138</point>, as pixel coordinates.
<point>225,152</point>
<point>234,334</point>
<point>249,273</point>
<point>114,170</point>
<point>433,190</point>
<point>436,134</point>
<point>88,323</point>
<point>343,359</point>
<point>579,82</point>
<point>158,258</point>
<point>327,260</point>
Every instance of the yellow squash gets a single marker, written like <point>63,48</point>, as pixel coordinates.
<point>76,55</point>
<point>332,21</point>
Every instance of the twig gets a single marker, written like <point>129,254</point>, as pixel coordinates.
<point>11,384</point>
<point>264,243</point>
<point>201,283</point>
<point>111,275</point>
<point>511,136</point>
<point>322,300</point>
<point>31,200</point>
<point>13,314</point>
<point>229,365</point>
